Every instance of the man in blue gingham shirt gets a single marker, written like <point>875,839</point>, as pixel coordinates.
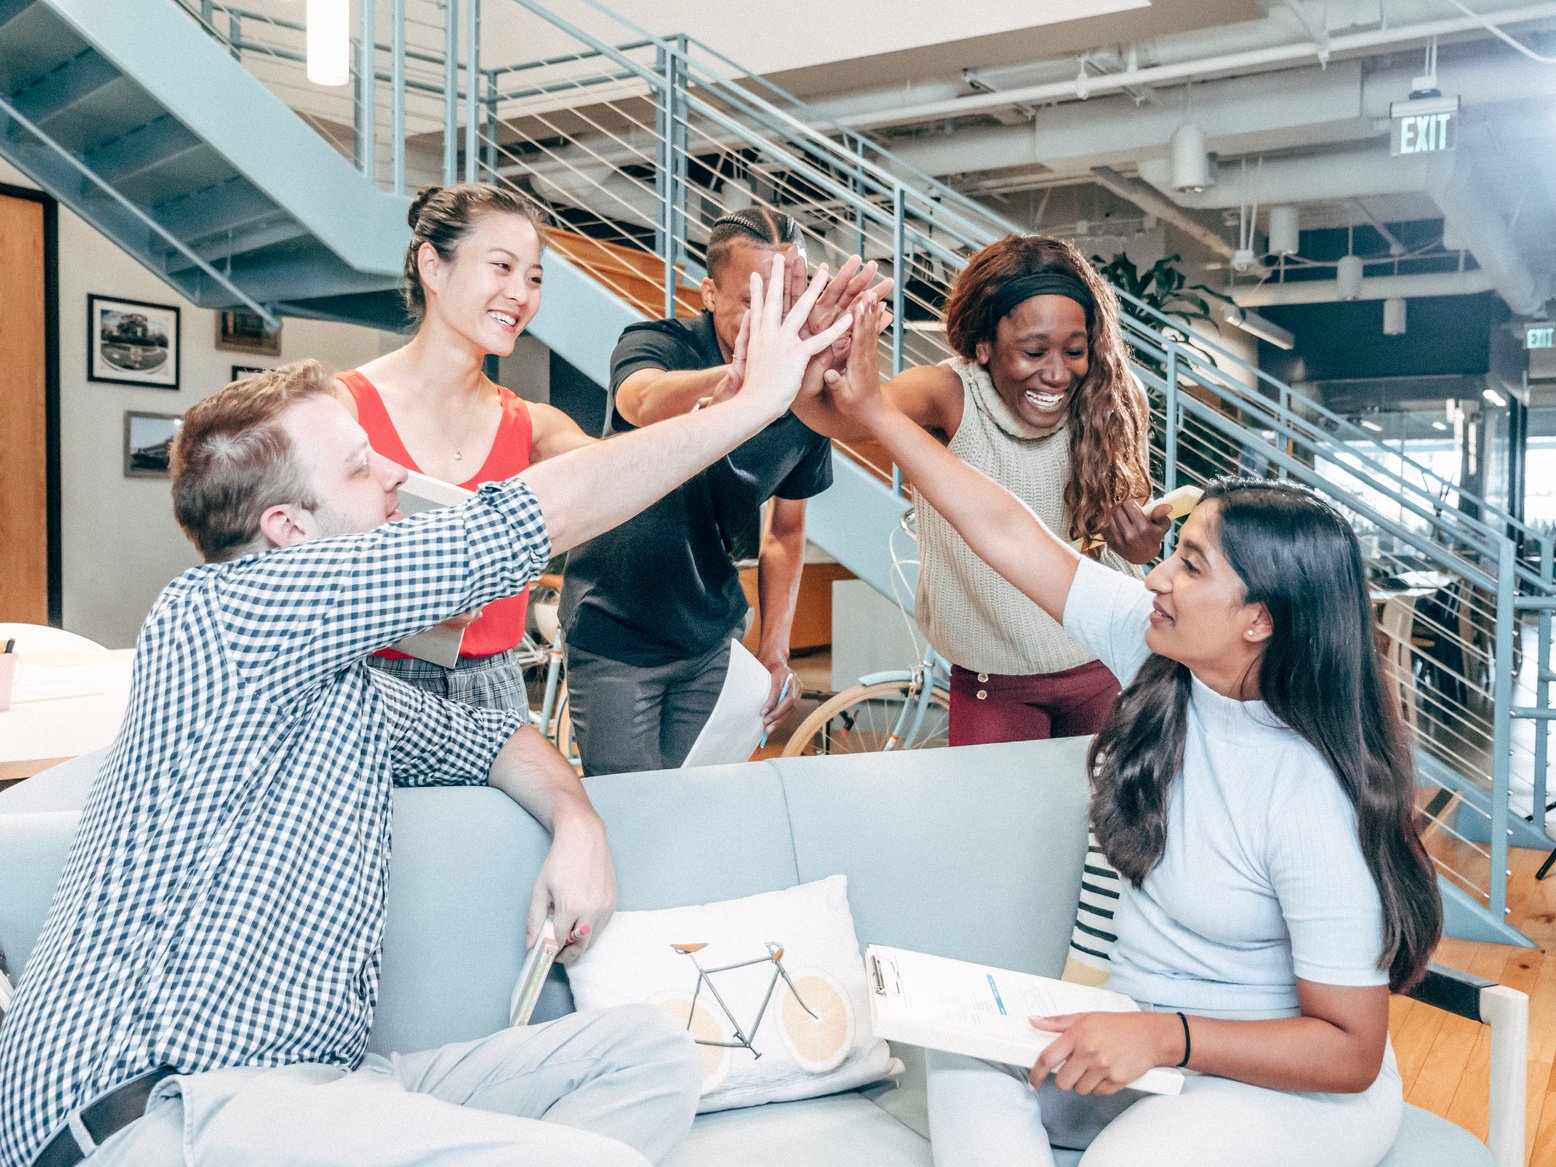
<point>221,909</point>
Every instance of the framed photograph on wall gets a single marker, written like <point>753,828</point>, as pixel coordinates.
<point>240,331</point>
<point>241,371</point>
<point>148,441</point>
<point>131,343</point>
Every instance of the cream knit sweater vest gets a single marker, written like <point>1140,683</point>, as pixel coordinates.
<point>970,615</point>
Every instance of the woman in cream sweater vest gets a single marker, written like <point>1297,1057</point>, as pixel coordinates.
<point>1039,398</point>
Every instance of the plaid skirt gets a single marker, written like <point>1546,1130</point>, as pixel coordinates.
<point>487,682</point>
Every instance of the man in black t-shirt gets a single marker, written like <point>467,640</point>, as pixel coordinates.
<point>649,608</point>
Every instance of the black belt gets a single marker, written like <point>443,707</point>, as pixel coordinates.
<point>102,1118</point>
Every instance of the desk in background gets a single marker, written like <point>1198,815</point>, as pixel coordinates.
<point>64,704</point>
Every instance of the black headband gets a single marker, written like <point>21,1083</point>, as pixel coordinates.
<point>1043,283</point>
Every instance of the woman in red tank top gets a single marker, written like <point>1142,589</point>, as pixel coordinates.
<point>472,282</point>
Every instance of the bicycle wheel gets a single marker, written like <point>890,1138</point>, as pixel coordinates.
<point>817,1043</point>
<point>562,728</point>
<point>705,1025</point>
<point>870,718</point>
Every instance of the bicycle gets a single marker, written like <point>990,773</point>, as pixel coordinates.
<point>818,1039</point>
<point>540,651</point>
<point>890,710</point>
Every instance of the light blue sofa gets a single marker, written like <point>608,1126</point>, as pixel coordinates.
<point>974,853</point>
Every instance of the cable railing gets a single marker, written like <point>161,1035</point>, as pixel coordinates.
<point>635,145</point>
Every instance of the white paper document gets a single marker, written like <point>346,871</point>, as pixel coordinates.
<point>735,726</point>
<point>437,644</point>
<point>980,1011</point>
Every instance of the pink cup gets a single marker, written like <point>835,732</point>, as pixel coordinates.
<point>7,675</point>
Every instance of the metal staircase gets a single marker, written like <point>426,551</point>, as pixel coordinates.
<point>242,185</point>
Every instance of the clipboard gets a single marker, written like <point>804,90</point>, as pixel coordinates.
<point>981,1011</point>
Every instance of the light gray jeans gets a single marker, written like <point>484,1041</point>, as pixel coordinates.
<point>609,1088</point>
<point>985,1115</point>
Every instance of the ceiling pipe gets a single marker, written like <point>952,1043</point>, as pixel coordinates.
<point>1461,198</point>
<point>1352,174</point>
<point>1163,208</point>
<point>1239,62</point>
<point>1455,283</point>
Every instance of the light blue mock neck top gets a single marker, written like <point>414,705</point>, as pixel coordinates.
<point>1262,879</point>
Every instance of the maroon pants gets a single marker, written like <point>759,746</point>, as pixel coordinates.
<point>989,707</point>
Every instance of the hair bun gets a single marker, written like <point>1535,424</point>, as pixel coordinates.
<point>423,197</point>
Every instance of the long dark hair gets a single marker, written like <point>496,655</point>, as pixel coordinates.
<point>1108,418</point>
<point>1318,673</point>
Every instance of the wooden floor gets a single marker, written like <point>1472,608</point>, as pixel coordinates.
<point>1444,1060</point>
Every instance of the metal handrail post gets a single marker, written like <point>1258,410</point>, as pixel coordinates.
<point>367,68</point>
<point>472,81</point>
<point>900,265</point>
<point>492,123</point>
<point>450,92</point>
<point>679,122</point>
<point>397,98</point>
<point>665,116</point>
<point>1502,729</point>
<point>858,187</point>
<point>1542,691</point>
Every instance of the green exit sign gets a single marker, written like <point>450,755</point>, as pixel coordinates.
<point>1543,337</point>
<point>1424,126</point>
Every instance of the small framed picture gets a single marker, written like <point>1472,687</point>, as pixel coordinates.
<point>148,443</point>
<point>241,371</point>
<point>131,343</point>
<point>240,331</point>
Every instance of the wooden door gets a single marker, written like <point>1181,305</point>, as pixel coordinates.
<point>28,531</point>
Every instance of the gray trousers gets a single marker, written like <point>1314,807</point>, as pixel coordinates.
<point>640,717</point>
<point>610,1087</point>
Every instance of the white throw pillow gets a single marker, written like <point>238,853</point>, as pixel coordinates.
<point>813,1036</point>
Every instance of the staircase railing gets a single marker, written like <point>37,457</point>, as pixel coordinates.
<point>637,142</point>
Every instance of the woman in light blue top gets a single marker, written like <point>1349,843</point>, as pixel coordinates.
<point>1254,789</point>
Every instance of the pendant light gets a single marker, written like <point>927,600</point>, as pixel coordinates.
<point>329,42</point>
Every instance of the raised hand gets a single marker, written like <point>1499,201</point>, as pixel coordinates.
<point>736,375</point>
<point>776,350</point>
<point>845,290</point>
<point>856,389</point>
<point>1134,535</point>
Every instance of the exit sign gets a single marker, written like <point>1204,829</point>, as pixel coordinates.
<point>1424,126</point>
<point>1543,337</point>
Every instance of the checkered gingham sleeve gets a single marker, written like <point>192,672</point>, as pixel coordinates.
<point>435,742</point>
<point>222,903</point>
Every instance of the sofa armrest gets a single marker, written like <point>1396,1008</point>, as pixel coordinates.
<point>1506,1012</point>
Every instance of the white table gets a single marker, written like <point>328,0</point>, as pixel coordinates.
<point>63,704</point>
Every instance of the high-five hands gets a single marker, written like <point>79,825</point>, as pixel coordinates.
<point>846,290</point>
<point>856,389</point>
<point>777,349</point>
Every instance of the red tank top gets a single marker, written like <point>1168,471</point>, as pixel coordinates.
<point>502,621</point>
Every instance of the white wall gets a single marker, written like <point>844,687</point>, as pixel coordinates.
<point>120,543</point>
